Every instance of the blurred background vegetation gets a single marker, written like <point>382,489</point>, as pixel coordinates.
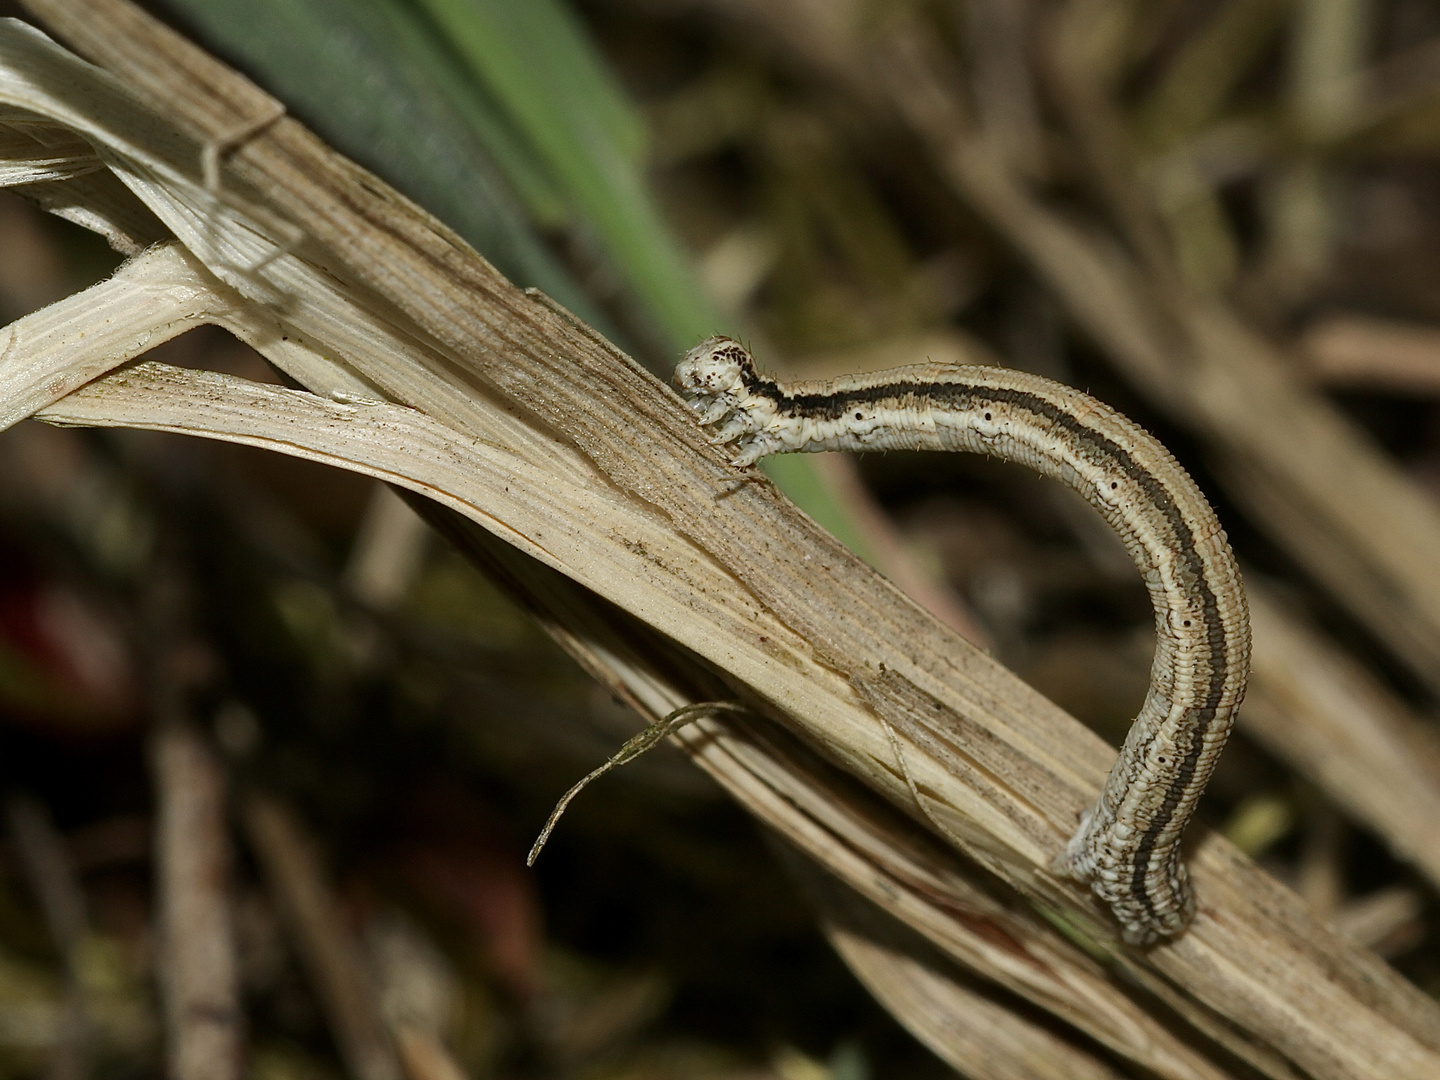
<point>666,172</point>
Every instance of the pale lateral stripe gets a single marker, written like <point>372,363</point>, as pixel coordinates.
<point>1127,847</point>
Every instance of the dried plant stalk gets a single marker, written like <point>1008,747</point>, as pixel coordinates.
<point>200,988</point>
<point>292,869</point>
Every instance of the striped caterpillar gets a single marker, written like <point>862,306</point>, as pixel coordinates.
<point>1127,847</point>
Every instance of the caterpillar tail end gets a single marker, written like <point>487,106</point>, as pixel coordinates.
<point>1146,916</point>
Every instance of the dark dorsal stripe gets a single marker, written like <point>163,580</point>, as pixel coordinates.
<point>962,396</point>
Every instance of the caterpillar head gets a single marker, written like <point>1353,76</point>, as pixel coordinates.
<point>715,377</point>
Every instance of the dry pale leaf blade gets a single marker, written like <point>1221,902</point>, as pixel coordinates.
<point>24,159</point>
<point>977,1034</point>
<point>153,297</point>
<point>98,202</point>
<point>39,77</point>
<point>249,250</point>
<point>234,237</point>
<point>603,541</point>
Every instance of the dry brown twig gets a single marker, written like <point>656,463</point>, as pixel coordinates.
<point>580,468</point>
<point>199,984</point>
<point>374,1043</point>
<point>292,870</point>
<point>198,972</point>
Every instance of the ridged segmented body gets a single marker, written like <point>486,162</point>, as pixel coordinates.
<point>1127,847</point>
